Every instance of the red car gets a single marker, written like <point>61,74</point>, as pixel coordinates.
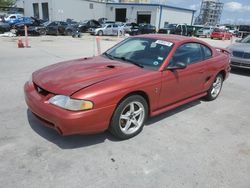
<point>139,77</point>
<point>221,34</point>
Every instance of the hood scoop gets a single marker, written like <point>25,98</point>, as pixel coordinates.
<point>110,66</point>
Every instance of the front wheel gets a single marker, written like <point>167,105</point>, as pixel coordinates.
<point>129,117</point>
<point>69,32</point>
<point>100,33</point>
<point>215,88</point>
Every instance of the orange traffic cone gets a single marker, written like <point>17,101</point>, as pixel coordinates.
<point>20,43</point>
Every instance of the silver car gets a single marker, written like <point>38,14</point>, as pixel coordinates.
<point>240,53</point>
<point>108,29</point>
<point>204,32</point>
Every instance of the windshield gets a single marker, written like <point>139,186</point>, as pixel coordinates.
<point>246,40</point>
<point>145,52</point>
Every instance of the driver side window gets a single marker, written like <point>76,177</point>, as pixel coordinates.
<point>188,53</point>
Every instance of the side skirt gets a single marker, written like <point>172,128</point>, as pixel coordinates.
<point>175,105</point>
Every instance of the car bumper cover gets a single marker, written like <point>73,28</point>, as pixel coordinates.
<point>64,121</point>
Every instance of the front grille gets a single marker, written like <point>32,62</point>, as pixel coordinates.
<point>235,63</point>
<point>239,54</point>
<point>41,91</point>
<point>246,55</point>
<point>240,64</point>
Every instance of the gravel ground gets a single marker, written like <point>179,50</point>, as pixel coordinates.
<point>201,144</point>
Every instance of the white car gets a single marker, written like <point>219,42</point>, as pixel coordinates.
<point>13,17</point>
<point>108,29</point>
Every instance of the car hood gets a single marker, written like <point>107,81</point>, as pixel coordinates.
<point>243,47</point>
<point>66,78</point>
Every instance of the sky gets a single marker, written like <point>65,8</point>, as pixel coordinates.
<point>234,11</point>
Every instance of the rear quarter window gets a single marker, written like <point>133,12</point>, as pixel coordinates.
<point>206,51</point>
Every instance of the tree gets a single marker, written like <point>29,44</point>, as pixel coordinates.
<point>7,3</point>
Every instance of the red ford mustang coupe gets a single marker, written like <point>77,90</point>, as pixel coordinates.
<point>139,77</point>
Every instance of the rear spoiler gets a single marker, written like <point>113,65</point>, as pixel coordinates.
<point>223,50</point>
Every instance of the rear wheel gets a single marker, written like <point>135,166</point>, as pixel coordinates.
<point>215,88</point>
<point>129,117</point>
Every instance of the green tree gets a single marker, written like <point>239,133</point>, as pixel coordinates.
<point>7,3</point>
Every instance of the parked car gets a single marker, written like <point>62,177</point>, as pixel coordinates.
<point>177,29</point>
<point>139,77</point>
<point>142,29</point>
<point>108,29</point>
<point>240,53</point>
<point>13,17</point>
<point>59,28</point>
<point>21,20</point>
<point>88,25</point>
<point>220,34</point>
<point>34,27</point>
<point>102,20</point>
<point>244,30</point>
<point>167,29</point>
<point>4,27</point>
<point>204,32</point>
<point>127,26</point>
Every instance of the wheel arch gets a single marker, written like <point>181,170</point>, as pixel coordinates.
<point>140,93</point>
<point>223,73</point>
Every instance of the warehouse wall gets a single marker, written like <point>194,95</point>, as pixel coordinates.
<point>81,10</point>
<point>63,9</point>
<point>78,10</point>
<point>132,11</point>
<point>177,16</point>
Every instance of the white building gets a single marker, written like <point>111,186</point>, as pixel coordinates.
<point>155,14</point>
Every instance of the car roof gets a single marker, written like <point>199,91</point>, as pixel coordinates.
<point>171,38</point>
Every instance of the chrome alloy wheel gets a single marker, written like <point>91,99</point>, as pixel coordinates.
<point>216,86</point>
<point>132,117</point>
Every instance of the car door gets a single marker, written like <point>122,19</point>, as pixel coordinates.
<point>179,84</point>
<point>52,28</point>
<point>108,30</point>
<point>115,29</point>
<point>62,28</point>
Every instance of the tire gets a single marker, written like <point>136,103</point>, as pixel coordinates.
<point>100,33</point>
<point>42,32</point>
<point>69,32</point>
<point>212,38</point>
<point>215,88</point>
<point>129,117</point>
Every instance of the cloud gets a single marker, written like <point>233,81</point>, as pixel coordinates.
<point>236,7</point>
<point>194,7</point>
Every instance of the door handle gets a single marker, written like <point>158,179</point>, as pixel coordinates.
<point>201,71</point>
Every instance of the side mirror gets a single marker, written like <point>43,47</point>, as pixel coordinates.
<point>177,65</point>
<point>238,40</point>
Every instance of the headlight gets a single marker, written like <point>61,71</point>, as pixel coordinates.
<point>70,104</point>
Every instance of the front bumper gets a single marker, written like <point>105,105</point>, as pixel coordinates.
<point>240,62</point>
<point>64,121</point>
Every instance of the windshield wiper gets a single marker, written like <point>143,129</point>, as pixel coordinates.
<point>109,56</point>
<point>124,59</point>
<point>132,62</point>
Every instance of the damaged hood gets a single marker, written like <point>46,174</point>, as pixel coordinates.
<point>69,77</point>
